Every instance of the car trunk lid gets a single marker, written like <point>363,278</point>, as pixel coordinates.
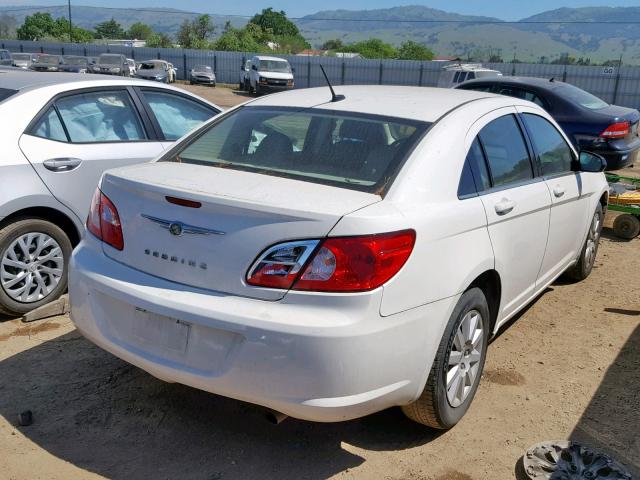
<point>240,215</point>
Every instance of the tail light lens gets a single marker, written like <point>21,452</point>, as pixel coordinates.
<point>616,130</point>
<point>339,264</point>
<point>104,222</point>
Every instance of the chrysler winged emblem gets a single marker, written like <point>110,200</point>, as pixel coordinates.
<point>178,228</point>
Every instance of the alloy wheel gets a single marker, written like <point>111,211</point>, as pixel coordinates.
<point>31,267</point>
<point>592,240</point>
<point>464,358</point>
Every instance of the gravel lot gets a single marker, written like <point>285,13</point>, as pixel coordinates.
<point>567,367</point>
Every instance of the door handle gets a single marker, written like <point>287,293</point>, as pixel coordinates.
<point>62,164</point>
<point>504,206</point>
<point>558,191</point>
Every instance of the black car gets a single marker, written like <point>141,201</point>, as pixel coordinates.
<point>589,122</point>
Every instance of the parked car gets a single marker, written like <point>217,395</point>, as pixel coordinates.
<point>132,67</point>
<point>457,73</point>
<point>154,70</point>
<point>5,57</point>
<point>329,259</point>
<point>111,64</point>
<point>202,74</point>
<point>59,133</point>
<point>269,74</point>
<point>590,123</point>
<point>74,64</point>
<point>46,63</point>
<point>22,60</point>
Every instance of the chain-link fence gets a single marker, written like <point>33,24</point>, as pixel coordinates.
<point>615,85</point>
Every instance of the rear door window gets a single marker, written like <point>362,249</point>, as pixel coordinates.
<point>553,152</point>
<point>475,176</point>
<point>49,126</point>
<point>523,94</point>
<point>175,113</point>
<point>506,152</point>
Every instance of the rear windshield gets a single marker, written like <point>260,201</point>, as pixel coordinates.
<point>110,60</point>
<point>74,60</point>
<point>6,93</point>
<point>49,60</point>
<point>581,97</point>
<point>358,152</point>
<point>21,56</point>
<point>275,66</point>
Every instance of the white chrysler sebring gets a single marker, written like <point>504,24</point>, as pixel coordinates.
<point>331,257</point>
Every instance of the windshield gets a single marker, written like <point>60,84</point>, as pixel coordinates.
<point>110,60</point>
<point>581,97</point>
<point>202,68</point>
<point>281,66</point>
<point>358,152</point>
<point>22,57</point>
<point>150,66</point>
<point>49,60</point>
<point>75,61</point>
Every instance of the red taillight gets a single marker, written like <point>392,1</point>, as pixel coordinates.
<point>616,130</point>
<point>104,222</point>
<point>339,264</point>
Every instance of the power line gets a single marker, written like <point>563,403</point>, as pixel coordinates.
<point>362,20</point>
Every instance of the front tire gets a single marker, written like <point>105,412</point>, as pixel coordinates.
<point>457,368</point>
<point>34,258</point>
<point>584,265</point>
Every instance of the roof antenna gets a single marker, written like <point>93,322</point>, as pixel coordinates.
<point>334,97</point>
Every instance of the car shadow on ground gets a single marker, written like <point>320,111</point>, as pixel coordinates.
<point>105,416</point>
<point>608,424</point>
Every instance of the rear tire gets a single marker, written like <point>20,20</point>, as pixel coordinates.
<point>626,226</point>
<point>584,265</point>
<point>457,367</point>
<point>35,253</point>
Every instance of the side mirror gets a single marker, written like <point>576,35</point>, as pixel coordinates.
<point>590,162</point>
<point>254,67</point>
<point>293,69</point>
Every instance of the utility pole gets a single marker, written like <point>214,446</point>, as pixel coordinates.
<point>70,27</point>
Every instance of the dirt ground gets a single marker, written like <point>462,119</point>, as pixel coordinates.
<point>566,368</point>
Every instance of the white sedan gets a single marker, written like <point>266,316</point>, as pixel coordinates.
<point>59,133</point>
<point>331,259</point>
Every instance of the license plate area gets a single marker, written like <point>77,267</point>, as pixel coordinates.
<point>160,331</point>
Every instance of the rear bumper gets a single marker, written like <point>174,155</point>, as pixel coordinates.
<point>311,356</point>
<point>617,153</point>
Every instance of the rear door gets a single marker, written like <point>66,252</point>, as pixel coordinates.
<point>80,135</point>
<point>569,203</point>
<point>517,204</point>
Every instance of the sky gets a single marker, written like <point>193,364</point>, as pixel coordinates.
<point>504,9</point>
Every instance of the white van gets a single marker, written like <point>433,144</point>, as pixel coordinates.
<point>461,72</point>
<point>269,74</point>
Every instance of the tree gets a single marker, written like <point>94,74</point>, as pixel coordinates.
<point>78,35</point>
<point>196,33</point>
<point>335,44</point>
<point>139,31</point>
<point>251,38</point>
<point>372,48</point>
<point>411,50</point>
<point>109,29</point>
<point>7,26</point>
<point>159,40</point>
<point>277,22</point>
<point>36,27</point>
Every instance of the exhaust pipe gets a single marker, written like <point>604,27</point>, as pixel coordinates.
<point>275,417</point>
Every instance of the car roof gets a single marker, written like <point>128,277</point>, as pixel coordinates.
<point>266,57</point>
<point>522,81</point>
<point>21,80</point>
<point>425,104</point>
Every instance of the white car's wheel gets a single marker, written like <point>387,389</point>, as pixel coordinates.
<point>34,255</point>
<point>458,365</point>
<point>584,265</point>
